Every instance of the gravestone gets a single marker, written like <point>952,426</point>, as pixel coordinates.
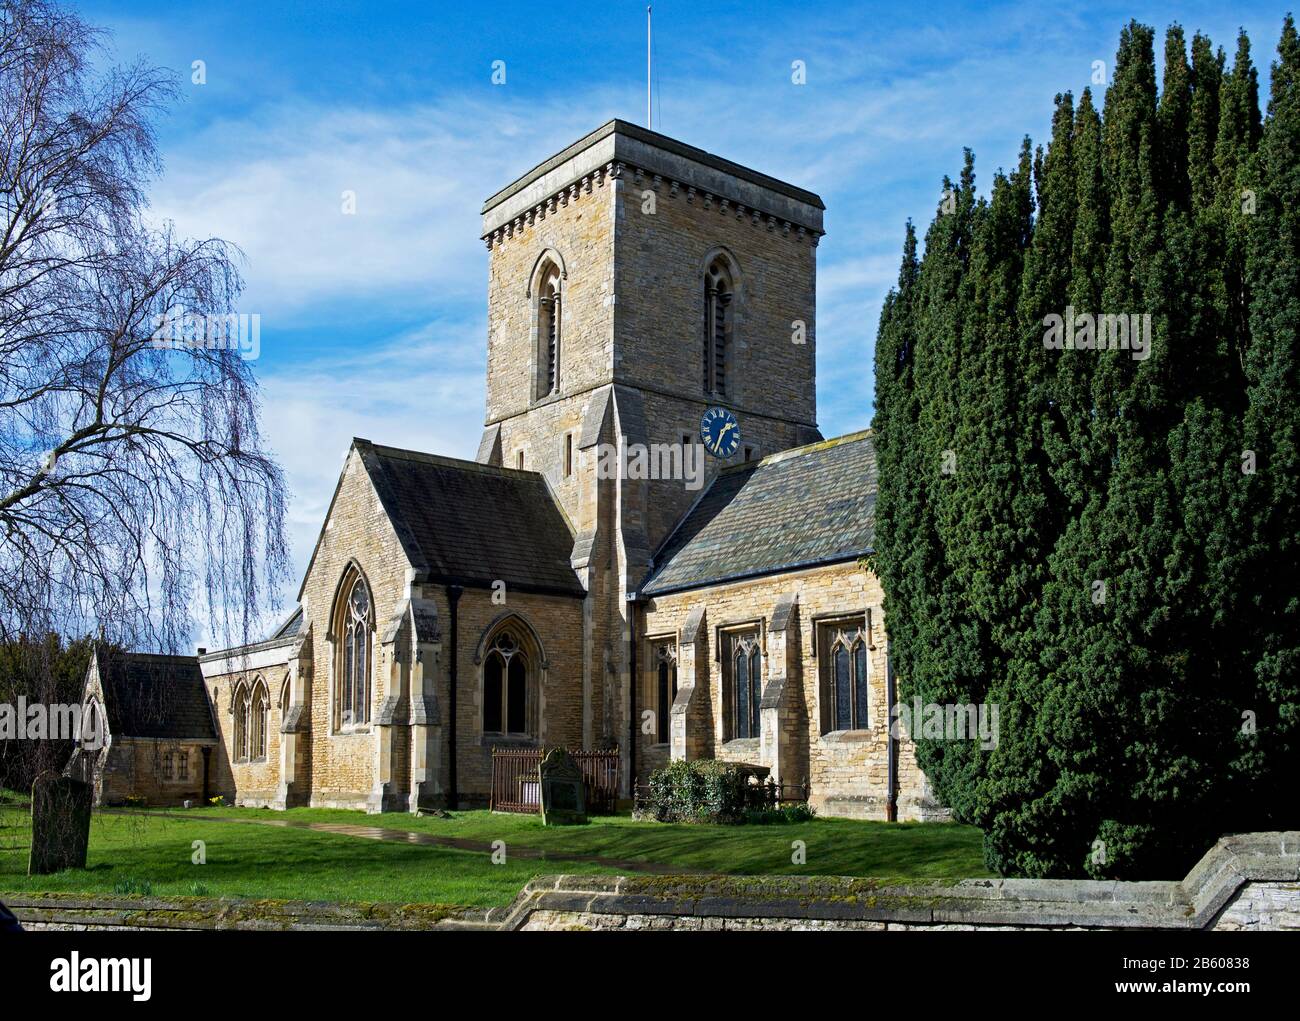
<point>564,795</point>
<point>60,824</point>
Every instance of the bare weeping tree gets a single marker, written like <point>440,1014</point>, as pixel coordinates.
<point>136,498</point>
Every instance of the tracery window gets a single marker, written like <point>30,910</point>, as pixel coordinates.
<point>743,676</point>
<point>507,677</point>
<point>665,689</point>
<point>258,711</point>
<point>352,693</point>
<point>845,677</point>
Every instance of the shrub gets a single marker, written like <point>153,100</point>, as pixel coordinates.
<point>704,790</point>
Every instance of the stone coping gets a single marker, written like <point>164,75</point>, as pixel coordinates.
<point>656,140</point>
<point>1190,904</point>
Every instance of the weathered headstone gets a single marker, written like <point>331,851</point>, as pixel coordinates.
<point>564,796</point>
<point>60,824</point>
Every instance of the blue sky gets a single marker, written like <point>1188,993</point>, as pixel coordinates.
<point>375,324</point>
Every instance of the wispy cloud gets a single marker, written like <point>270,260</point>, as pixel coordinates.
<point>374,323</point>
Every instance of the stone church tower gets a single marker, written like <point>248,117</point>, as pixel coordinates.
<point>635,282</point>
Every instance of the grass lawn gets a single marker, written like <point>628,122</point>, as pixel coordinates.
<point>835,847</point>
<point>129,850</point>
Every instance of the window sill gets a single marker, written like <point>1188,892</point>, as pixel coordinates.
<point>743,744</point>
<point>848,736</point>
<point>351,731</point>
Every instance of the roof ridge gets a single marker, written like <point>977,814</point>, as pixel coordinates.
<point>807,448</point>
<point>183,656</point>
<point>446,461</point>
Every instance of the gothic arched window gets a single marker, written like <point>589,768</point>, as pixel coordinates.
<point>550,320</point>
<point>507,685</point>
<point>665,667</point>
<point>239,710</point>
<point>258,710</point>
<point>743,675</point>
<point>352,694</point>
<point>719,295</point>
<point>845,678</point>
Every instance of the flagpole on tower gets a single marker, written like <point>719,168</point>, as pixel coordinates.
<point>648,123</point>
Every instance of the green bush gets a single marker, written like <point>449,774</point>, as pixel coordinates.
<point>704,790</point>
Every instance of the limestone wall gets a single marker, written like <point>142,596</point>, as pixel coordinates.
<point>133,768</point>
<point>558,623</point>
<point>661,258</point>
<point>847,770</point>
<point>251,781</point>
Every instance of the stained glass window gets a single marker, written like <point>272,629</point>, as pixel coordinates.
<point>745,686</point>
<point>354,700</point>
<point>846,689</point>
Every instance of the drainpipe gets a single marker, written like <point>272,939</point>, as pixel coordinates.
<point>453,598</point>
<point>891,796</point>
<point>631,698</point>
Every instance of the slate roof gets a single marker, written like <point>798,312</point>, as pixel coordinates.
<point>461,522</point>
<point>799,508</point>
<point>290,628</point>
<point>147,695</point>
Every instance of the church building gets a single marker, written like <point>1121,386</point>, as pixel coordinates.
<point>655,549</point>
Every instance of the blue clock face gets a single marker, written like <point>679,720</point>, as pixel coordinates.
<point>720,432</point>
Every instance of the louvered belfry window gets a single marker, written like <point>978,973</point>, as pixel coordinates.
<point>550,320</point>
<point>718,296</point>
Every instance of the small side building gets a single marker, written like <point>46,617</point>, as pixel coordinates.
<point>154,726</point>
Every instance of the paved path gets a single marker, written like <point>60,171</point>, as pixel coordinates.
<point>348,829</point>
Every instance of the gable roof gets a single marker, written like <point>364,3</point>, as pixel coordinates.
<point>465,523</point>
<point>148,695</point>
<point>291,626</point>
<point>799,508</point>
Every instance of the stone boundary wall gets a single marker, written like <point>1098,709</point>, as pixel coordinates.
<point>1251,881</point>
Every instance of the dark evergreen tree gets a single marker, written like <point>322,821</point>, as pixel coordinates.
<point>1077,534</point>
<point>1271,756</point>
